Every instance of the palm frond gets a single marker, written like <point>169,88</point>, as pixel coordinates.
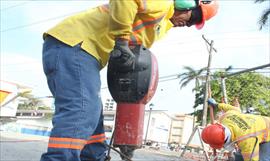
<point>184,84</point>
<point>264,18</point>
<point>259,1</point>
<point>190,69</point>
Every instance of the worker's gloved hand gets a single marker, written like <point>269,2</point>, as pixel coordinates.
<point>212,102</point>
<point>121,57</point>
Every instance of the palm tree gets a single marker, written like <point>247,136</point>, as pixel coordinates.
<point>189,76</point>
<point>31,103</point>
<point>265,14</point>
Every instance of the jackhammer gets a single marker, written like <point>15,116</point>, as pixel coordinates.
<point>132,90</point>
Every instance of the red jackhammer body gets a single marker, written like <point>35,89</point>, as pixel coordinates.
<point>132,91</point>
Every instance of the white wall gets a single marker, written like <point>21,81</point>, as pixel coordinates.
<point>159,126</point>
<point>187,129</point>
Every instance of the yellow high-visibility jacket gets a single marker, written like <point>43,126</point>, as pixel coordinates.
<point>243,126</point>
<point>139,21</point>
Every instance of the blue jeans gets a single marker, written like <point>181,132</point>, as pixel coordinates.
<point>74,81</point>
<point>265,152</point>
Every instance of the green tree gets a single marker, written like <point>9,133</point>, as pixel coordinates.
<point>265,14</point>
<point>190,75</point>
<point>252,89</point>
<point>30,102</point>
<point>197,76</point>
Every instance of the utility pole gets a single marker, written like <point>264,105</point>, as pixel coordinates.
<point>207,84</point>
<point>147,127</point>
<point>223,87</point>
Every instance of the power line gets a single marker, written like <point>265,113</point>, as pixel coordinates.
<point>248,70</point>
<point>16,5</point>
<point>37,22</point>
<point>53,18</point>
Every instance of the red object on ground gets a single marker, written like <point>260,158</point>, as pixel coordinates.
<point>214,135</point>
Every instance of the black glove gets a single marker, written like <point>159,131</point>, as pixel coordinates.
<point>121,57</point>
<point>212,102</point>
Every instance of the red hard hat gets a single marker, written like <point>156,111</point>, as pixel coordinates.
<point>214,135</point>
<point>209,10</point>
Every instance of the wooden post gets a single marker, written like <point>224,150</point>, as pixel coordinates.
<point>205,105</point>
<point>207,93</point>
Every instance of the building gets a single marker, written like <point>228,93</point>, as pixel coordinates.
<point>9,94</point>
<point>109,121</point>
<point>109,104</point>
<point>181,129</point>
<point>159,127</point>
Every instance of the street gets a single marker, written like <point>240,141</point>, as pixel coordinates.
<point>17,147</point>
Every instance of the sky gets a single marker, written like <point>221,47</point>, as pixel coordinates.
<point>234,31</point>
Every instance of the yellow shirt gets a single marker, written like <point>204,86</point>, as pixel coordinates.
<point>243,126</point>
<point>139,21</point>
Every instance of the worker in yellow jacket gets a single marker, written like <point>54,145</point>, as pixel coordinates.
<point>76,49</point>
<point>250,132</point>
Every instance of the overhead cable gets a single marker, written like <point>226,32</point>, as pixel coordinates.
<point>16,5</point>
<point>37,22</point>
